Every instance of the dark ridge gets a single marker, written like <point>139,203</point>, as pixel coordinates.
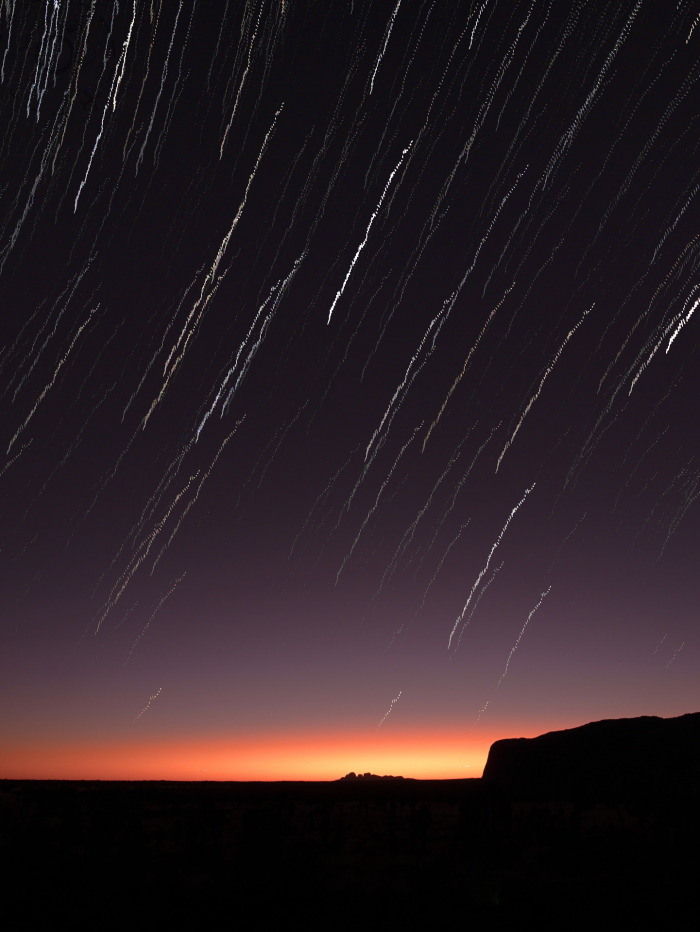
<point>610,760</point>
<point>592,826</point>
<point>369,776</point>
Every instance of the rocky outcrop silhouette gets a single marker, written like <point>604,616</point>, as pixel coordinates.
<point>534,840</point>
<point>610,760</point>
<point>369,776</point>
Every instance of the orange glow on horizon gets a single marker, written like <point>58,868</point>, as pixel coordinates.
<point>427,755</point>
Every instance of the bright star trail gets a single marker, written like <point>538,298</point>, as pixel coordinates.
<point>349,353</point>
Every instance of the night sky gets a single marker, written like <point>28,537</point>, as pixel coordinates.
<point>350,382</point>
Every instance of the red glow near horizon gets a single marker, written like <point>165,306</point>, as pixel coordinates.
<point>429,755</point>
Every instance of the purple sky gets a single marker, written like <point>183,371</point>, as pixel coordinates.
<point>349,372</point>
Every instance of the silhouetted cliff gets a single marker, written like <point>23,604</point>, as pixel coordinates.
<point>535,840</point>
<point>618,759</point>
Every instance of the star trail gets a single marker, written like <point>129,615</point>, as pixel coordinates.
<point>348,353</point>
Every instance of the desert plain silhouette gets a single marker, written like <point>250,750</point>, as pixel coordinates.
<point>592,824</point>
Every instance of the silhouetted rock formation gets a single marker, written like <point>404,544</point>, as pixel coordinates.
<point>609,760</point>
<point>368,776</point>
<point>373,852</point>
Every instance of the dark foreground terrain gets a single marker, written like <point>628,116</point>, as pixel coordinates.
<point>358,854</point>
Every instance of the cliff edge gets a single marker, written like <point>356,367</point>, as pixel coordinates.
<point>613,759</point>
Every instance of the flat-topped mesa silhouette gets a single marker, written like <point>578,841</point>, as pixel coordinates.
<point>368,776</point>
<point>612,760</point>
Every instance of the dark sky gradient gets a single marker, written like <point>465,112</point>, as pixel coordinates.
<point>350,381</point>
